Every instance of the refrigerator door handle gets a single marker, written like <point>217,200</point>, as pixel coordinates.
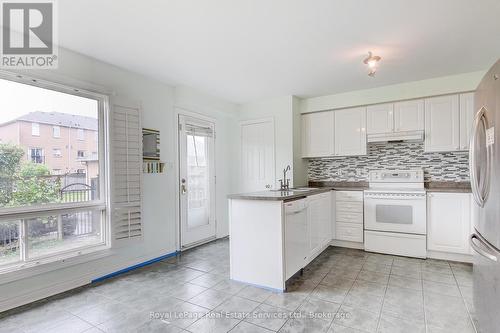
<point>479,187</point>
<point>484,249</point>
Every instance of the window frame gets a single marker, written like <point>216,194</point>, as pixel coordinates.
<point>58,131</point>
<point>80,134</point>
<point>30,155</point>
<point>102,205</point>
<point>33,126</point>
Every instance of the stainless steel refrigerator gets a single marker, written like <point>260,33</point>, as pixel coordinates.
<point>484,158</point>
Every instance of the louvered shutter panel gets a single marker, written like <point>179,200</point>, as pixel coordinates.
<point>126,173</point>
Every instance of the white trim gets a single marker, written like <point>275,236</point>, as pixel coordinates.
<point>450,256</point>
<point>49,209</point>
<point>178,110</point>
<point>104,181</point>
<point>40,267</point>
<point>257,121</point>
<point>348,244</point>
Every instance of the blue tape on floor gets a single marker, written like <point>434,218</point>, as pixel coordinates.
<point>131,268</point>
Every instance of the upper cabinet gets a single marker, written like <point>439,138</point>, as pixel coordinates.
<point>317,134</point>
<point>380,118</point>
<point>467,114</point>
<point>350,132</point>
<point>448,121</point>
<point>442,123</point>
<point>409,116</point>
<point>395,117</point>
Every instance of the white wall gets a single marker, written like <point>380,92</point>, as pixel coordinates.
<point>281,110</point>
<point>415,89</point>
<point>160,212</point>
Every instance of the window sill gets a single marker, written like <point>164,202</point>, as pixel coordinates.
<point>29,269</point>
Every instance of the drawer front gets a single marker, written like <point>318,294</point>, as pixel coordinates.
<point>349,232</point>
<point>349,196</point>
<point>349,207</point>
<point>349,217</point>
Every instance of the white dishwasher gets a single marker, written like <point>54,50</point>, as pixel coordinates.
<point>296,240</point>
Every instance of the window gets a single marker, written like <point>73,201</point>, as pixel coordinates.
<point>35,155</point>
<point>56,152</point>
<point>80,134</point>
<point>50,209</point>
<point>35,129</point>
<point>56,131</point>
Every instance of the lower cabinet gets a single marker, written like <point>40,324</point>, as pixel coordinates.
<point>449,222</point>
<point>319,219</point>
<point>349,216</point>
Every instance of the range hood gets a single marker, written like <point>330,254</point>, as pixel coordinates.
<point>396,136</point>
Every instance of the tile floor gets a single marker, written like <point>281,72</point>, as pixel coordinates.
<point>342,290</point>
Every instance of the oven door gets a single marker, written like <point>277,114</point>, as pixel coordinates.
<point>403,212</point>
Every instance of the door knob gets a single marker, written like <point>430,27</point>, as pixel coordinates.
<point>183,186</point>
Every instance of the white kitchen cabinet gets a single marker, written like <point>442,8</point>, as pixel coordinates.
<point>317,134</point>
<point>442,124</point>
<point>380,118</point>
<point>350,132</point>
<point>296,236</point>
<point>467,114</point>
<point>349,216</point>
<point>319,222</point>
<point>409,116</point>
<point>448,222</point>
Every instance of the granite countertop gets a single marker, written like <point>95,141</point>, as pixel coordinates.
<point>340,186</point>
<point>451,187</point>
<point>279,195</point>
<point>325,186</point>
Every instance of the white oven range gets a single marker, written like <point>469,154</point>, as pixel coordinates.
<point>395,213</point>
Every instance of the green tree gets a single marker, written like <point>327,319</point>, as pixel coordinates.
<point>10,160</point>
<point>34,185</point>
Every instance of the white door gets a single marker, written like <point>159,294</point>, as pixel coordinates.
<point>448,222</point>
<point>257,155</point>
<point>197,180</point>
<point>380,118</point>
<point>442,120</point>
<point>467,114</point>
<point>317,134</point>
<point>409,116</point>
<point>350,132</point>
<point>319,222</point>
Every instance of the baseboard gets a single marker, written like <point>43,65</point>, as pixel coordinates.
<point>450,256</point>
<point>348,244</point>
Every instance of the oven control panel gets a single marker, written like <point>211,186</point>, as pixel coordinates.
<point>396,176</point>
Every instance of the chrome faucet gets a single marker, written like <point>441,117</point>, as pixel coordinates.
<point>285,183</point>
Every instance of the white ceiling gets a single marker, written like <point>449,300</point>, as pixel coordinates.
<point>246,50</point>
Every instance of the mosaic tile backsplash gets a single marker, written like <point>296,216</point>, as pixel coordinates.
<point>392,156</point>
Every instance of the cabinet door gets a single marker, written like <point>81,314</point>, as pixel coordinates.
<point>409,116</point>
<point>317,134</point>
<point>448,222</point>
<point>350,132</point>
<point>296,242</point>
<point>442,130</point>
<point>467,114</point>
<point>379,118</point>
<point>319,221</point>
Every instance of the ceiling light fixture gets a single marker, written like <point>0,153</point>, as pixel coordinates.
<point>372,62</point>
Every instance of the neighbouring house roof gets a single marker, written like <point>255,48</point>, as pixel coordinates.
<point>59,119</point>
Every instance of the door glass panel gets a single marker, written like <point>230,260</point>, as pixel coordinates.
<point>394,214</point>
<point>198,181</point>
